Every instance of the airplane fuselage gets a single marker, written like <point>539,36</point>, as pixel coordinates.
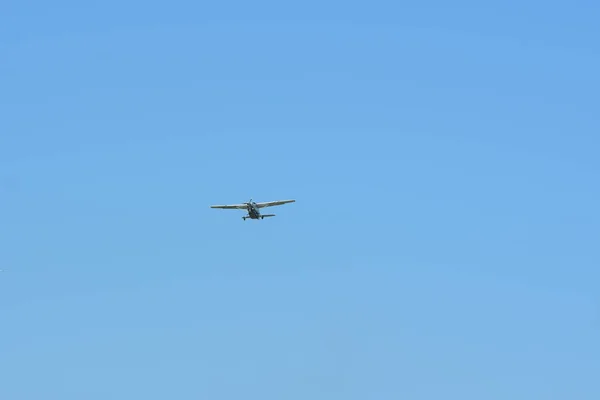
<point>253,212</point>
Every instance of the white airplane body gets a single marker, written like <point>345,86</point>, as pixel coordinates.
<point>253,208</point>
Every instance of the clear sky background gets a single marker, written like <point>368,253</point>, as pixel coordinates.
<point>445,242</point>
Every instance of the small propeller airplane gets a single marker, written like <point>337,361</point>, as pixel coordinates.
<point>253,208</point>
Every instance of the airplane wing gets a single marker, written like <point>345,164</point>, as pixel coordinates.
<point>231,206</point>
<point>273,203</point>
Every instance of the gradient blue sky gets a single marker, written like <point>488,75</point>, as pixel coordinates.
<point>445,243</point>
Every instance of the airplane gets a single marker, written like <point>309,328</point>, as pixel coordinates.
<point>253,208</point>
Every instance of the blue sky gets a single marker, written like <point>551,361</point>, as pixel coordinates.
<point>444,159</point>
